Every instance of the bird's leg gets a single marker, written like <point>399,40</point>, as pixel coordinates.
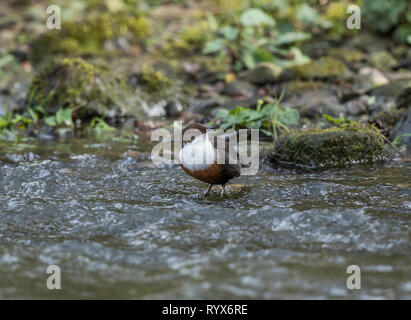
<point>222,190</point>
<point>208,191</point>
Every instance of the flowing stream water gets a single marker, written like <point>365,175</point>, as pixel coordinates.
<point>118,227</point>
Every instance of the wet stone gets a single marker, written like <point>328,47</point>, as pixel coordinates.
<point>239,88</point>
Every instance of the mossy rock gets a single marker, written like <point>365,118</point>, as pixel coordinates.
<point>262,73</point>
<point>382,60</point>
<point>333,147</point>
<point>323,68</point>
<point>188,41</point>
<point>89,36</point>
<point>153,81</point>
<point>348,55</point>
<point>88,89</point>
<point>336,13</point>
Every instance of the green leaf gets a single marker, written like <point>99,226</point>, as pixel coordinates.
<point>248,60</point>
<point>266,132</point>
<point>397,140</point>
<point>299,59</point>
<point>50,121</point>
<point>63,116</point>
<point>214,45</point>
<point>67,118</point>
<point>222,113</point>
<point>291,37</point>
<point>263,55</point>
<point>212,21</point>
<point>307,15</point>
<point>254,17</point>
<point>229,33</point>
<point>288,116</point>
<point>33,115</point>
<point>328,118</point>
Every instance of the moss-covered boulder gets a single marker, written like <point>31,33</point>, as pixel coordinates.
<point>323,68</point>
<point>88,89</point>
<point>153,81</point>
<point>382,60</point>
<point>91,34</point>
<point>348,55</point>
<point>190,40</point>
<point>331,147</point>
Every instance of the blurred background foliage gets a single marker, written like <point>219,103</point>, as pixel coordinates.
<point>206,41</point>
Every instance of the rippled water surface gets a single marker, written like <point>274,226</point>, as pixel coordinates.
<point>120,228</point>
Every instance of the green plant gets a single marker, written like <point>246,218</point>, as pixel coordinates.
<point>268,118</point>
<point>98,127</point>
<point>398,140</point>
<point>382,15</point>
<point>253,39</point>
<point>11,123</point>
<point>339,122</point>
<point>63,117</point>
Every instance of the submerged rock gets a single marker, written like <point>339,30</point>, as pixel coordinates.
<point>331,147</point>
<point>88,89</point>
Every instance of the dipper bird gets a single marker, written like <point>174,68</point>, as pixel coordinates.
<point>207,158</point>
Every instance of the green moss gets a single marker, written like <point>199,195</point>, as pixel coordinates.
<point>153,81</point>
<point>382,60</point>
<point>347,54</point>
<point>87,37</point>
<point>336,13</point>
<point>72,82</point>
<point>190,40</point>
<point>323,68</point>
<point>329,147</point>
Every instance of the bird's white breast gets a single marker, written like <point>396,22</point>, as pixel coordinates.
<point>198,155</point>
